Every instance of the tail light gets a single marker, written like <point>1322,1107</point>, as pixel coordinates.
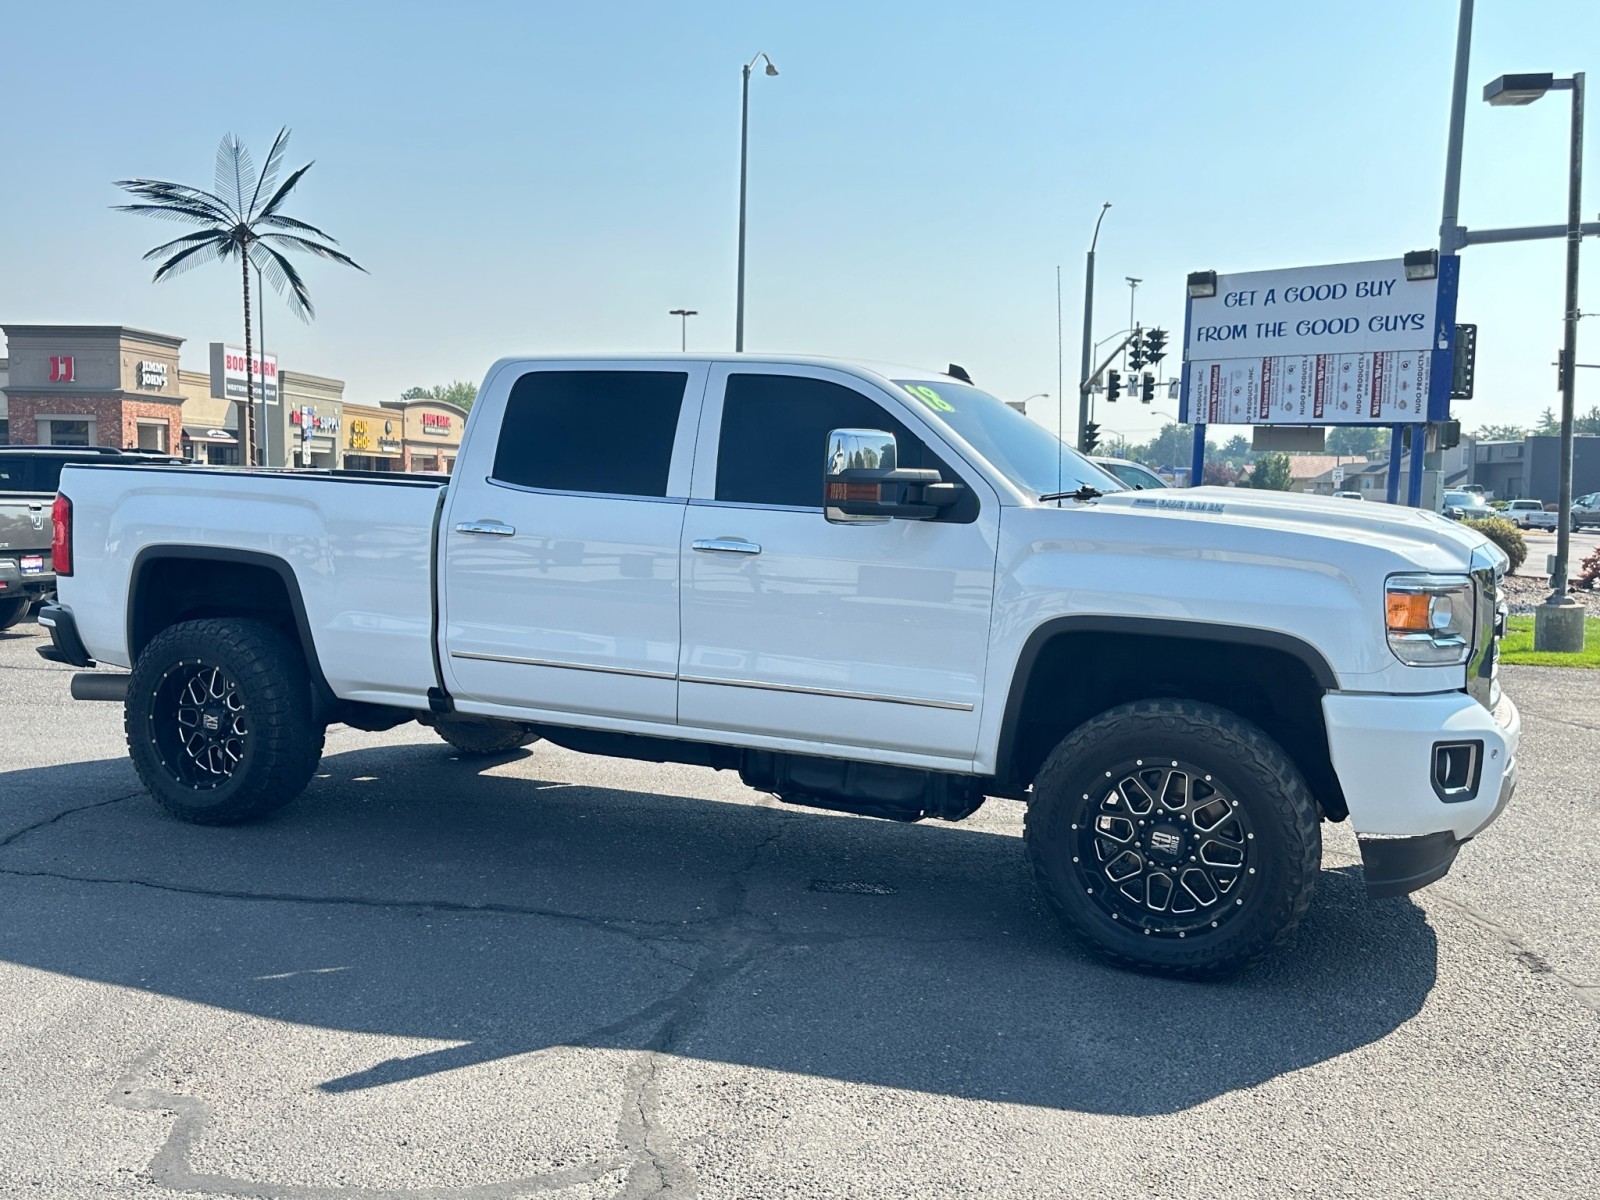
<point>61,537</point>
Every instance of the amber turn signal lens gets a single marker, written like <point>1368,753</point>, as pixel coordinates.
<point>1408,611</point>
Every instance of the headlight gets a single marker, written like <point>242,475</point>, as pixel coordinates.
<point>1430,619</point>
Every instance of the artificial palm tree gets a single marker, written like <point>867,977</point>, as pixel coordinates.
<point>240,220</point>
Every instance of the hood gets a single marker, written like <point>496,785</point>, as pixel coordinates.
<point>1426,539</point>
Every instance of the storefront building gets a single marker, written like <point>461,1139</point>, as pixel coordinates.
<point>210,425</point>
<point>373,438</point>
<point>313,425</point>
<point>430,434</point>
<point>93,385</point>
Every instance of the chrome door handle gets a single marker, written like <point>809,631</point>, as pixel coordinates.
<point>495,528</point>
<point>726,546</point>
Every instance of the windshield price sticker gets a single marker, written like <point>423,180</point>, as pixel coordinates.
<point>929,397</point>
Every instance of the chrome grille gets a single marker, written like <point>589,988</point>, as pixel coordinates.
<point>1483,671</point>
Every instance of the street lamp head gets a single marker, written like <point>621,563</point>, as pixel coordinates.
<point>1518,89</point>
<point>1421,264</point>
<point>1202,284</point>
<point>772,68</point>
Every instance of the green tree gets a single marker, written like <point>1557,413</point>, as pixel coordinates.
<point>1548,422</point>
<point>1172,447</point>
<point>1589,422</point>
<point>460,392</point>
<point>242,220</point>
<point>1500,433</point>
<point>1236,449</point>
<point>1356,440</point>
<point>1220,473</point>
<point>1271,473</point>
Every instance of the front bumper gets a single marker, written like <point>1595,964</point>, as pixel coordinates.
<point>1383,748</point>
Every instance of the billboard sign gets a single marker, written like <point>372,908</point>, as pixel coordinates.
<point>228,374</point>
<point>1347,344</point>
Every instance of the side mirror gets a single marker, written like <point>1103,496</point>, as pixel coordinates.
<point>863,485</point>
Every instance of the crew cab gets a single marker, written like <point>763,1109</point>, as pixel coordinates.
<point>1530,514</point>
<point>871,589</point>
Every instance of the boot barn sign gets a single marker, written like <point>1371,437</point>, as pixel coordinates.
<point>228,374</point>
<point>1366,343</point>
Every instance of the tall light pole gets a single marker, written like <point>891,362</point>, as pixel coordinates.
<point>1087,363</point>
<point>683,334</point>
<point>1558,622</point>
<point>744,159</point>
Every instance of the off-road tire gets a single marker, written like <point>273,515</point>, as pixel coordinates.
<point>483,738</point>
<point>12,611</point>
<point>1284,844</point>
<point>278,751</point>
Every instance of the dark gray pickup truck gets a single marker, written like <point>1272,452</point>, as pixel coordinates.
<point>29,476</point>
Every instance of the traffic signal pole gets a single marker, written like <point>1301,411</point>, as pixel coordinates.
<point>1088,331</point>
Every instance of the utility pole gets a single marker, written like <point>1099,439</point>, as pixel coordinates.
<point>1088,333</point>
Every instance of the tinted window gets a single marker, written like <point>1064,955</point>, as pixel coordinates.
<point>774,440</point>
<point>591,431</point>
<point>31,473</point>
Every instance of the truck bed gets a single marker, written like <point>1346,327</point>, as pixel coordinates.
<point>360,546</point>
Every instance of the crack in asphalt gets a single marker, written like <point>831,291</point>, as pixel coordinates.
<point>1588,994</point>
<point>170,1167</point>
<point>16,834</point>
<point>653,1169</point>
<point>634,927</point>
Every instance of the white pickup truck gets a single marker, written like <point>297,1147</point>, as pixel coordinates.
<point>867,589</point>
<point>1531,514</point>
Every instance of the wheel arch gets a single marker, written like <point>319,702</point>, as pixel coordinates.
<point>1071,668</point>
<point>239,583</point>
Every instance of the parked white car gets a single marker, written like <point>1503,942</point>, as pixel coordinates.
<point>1530,514</point>
<point>874,590</point>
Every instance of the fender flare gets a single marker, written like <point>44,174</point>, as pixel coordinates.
<point>322,695</point>
<point>1235,635</point>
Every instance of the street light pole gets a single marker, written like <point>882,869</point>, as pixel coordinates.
<point>1558,622</point>
<point>1088,346</point>
<point>744,159</point>
<point>1569,355</point>
<point>683,333</point>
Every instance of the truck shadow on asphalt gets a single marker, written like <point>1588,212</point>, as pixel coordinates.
<point>415,895</point>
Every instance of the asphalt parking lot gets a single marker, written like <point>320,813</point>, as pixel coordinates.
<point>576,977</point>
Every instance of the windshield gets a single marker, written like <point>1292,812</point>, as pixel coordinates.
<point>1460,498</point>
<point>1133,475</point>
<point>1020,448</point>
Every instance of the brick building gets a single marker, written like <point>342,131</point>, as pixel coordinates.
<point>93,385</point>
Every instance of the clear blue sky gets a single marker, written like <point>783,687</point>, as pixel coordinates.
<point>555,176</point>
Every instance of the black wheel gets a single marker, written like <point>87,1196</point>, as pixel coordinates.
<point>1174,837</point>
<point>12,611</point>
<point>219,722</point>
<point>480,737</point>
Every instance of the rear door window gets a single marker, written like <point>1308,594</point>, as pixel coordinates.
<point>602,432</point>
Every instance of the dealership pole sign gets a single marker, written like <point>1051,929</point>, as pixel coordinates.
<point>228,374</point>
<point>1348,344</point>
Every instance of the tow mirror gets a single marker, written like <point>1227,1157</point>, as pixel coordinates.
<point>864,485</point>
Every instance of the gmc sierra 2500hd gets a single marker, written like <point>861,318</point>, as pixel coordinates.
<point>870,589</point>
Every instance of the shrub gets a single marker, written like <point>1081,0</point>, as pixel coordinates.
<point>1505,535</point>
<point>1589,573</point>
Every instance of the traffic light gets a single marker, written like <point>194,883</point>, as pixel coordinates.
<point>1147,388</point>
<point>1113,386</point>
<point>1136,350</point>
<point>1466,362</point>
<point>1091,437</point>
<point>1155,346</point>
